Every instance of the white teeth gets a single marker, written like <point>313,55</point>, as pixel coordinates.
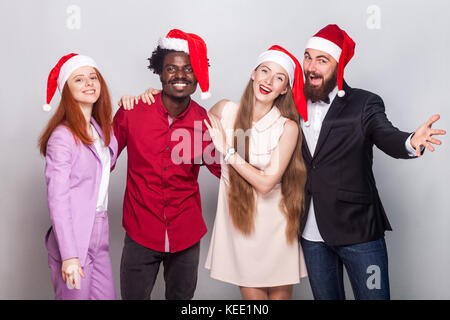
<point>180,84</point>
<point>89,91</point>
<point>264,89</point>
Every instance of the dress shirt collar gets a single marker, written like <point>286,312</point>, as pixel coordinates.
<point>163,110</point>
<point>331,96</point>
<point>267,120</point>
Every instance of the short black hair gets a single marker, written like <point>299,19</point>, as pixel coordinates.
<point>157,59</point>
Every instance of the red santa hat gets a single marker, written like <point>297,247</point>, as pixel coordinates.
<point>334,41</point>
<point>290,63</point>
<point>62,71</point>
<point>195,47</point>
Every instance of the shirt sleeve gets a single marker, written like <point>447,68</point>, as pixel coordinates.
<point>120,125</point>
<point>411,151</point>
<point>58,167</point>
<point>379,129</point>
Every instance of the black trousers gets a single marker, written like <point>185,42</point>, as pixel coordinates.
<point>140,265</point>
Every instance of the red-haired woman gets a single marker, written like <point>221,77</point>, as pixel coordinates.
<point>80,148</point>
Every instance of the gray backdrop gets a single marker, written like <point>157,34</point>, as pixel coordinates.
<point>401,53</point>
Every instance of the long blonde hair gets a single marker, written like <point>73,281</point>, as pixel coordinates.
<point>241,199</point>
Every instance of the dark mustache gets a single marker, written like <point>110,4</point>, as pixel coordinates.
<point>313,74</point>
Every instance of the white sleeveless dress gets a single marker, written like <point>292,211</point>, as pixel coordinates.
<point>263,258</point>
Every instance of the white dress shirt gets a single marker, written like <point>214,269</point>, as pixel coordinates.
<point>105,158</point>
<point>311,130</point>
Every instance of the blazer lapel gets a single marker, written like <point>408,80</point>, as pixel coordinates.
<point>332,114</point>
<point>306,151</point>
<point>100,133</point>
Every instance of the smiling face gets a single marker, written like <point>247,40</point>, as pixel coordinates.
<point>84,85</point>
<point>320,70</point>
<point>177,77</point>
<point>269,81</point>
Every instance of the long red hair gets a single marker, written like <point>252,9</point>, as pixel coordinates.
<point>69,114</point>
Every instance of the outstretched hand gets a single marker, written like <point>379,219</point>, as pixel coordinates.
<point>424,136</point>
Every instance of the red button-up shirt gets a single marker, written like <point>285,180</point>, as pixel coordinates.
<point>162,193</point>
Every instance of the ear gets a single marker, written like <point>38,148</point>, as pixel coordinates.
<point>253,75</point>
<point>285,90</point>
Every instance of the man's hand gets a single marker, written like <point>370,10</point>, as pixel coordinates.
<point>423,136</point>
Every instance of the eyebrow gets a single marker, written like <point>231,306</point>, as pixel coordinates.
<point>278,73</point>
<point>321,56</point>
<point>174,65</point>
<point>83,74</point>
<point>263,65</point>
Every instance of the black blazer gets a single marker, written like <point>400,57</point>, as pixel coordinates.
<point>347,206</point>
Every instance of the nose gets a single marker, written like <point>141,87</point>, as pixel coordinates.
<point>89,82</point>
<point>179,73</point>
<point>311,66</point>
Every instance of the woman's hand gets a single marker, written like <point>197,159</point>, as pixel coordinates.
<point>128,101</point>
<point>71,271</point>
<point>217,133</point>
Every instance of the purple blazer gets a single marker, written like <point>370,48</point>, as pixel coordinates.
<point>73,174</point>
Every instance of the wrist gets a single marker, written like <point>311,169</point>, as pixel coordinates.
<point>230,151</point>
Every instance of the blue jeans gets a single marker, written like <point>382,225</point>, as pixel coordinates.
<point>366,264</point>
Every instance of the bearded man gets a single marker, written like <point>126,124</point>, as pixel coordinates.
<point>344,220</point>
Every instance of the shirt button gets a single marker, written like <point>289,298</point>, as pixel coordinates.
<point>168,224</point>
<point>164,186</point>
<point>167,148</point>
<point>166,204</point>
<point>165,169</point>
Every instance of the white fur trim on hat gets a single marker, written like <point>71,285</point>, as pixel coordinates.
<point>174,44</point>
<point>71,65</point>
<point>325,45</point>
<point>282,59</point>
<point>205,95</point>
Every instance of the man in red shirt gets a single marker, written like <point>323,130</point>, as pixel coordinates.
<point>166,143</point>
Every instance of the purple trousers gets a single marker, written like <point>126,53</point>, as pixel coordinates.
<point>99,282</point>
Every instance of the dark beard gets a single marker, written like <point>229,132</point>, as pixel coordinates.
<point>321,93</point>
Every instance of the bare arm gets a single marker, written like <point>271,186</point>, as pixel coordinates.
<point>262,181</point>
<point>217,109</point>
